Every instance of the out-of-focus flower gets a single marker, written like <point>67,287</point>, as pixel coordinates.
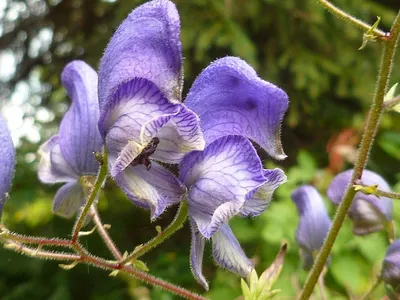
<point>224,180</point>
<point>142,120</point>
<point>369,213</point>
<point>68,157</point>
<point>314,223</point>
<point>391,270</point>
<point>7,162</point>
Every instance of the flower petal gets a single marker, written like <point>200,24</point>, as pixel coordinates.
<point>136,111</point>
<point>391,266</point>
<point>155,189</point>
<point>257,204</point>
<point>7,162</point>
<point>179,136</point>
<point>230,98</point>
<point>147,45</point>
<point>79,135</point>
<point>69,198</point>
<point>314,223</point>
<point>228,254</point>
<point>368,212</point>
<point>53,168</point>
<point>221,178</point>
<point>196,254</point>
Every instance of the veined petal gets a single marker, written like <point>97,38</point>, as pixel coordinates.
<point>228,254</point>
<point>196,254</point>
<point>368,212</point>
<point>155,189</point>
<point>146,44</point>
<point>230,98</point>
<point>260,201</point>
<point>314,223</point>
<point>69,198</point>
<point>136,111</point>
<point>7,162</point>
<point>220,180</point>
<point>179,136</point>
<point>53,167</point>
<point>79,135</point>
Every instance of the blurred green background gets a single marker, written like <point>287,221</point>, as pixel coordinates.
<point>293,43</point>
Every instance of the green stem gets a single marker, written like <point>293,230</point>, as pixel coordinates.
<point>175,225</point>
<point>96,188</point>
<point>372,289</point>
<point>362,157</point>
<point>350,19</point>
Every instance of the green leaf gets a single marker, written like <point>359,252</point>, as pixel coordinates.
<point>245,289</point>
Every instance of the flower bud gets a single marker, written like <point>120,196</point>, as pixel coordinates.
<point>369,213</point>
<point>391,270</point>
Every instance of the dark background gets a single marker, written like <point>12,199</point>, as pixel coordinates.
<point>293,43</point>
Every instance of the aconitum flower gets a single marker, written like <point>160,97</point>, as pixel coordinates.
<point>391,269</point>
<point>142,120</point>
<point>68,157</point>
<point>368,212</point>
<point>224,180</point>
<point>314,222</point>
<point>7,162</point>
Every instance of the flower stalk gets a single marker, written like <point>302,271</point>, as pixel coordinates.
<point>370,131</point>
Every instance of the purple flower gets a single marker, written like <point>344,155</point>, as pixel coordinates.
<point>314,222</point>
<point>224,180</point>
<point>7,162</point>
<point>68,157</point>
<point>368,212</point>
<point>391,267</point>
<point>142,120</point>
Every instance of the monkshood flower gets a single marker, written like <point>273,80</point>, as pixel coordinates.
<point>7,162</point>
<point>68,157</point>
<point>314,222</point>
<point>224,180</point>
<point>142,120</point>
<point>391,270</point>
<point>369,213</point>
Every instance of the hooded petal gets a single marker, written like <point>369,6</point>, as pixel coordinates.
<point>257,204</point>
<point>53,168</point>
<point>391,266</point>
<point>147,45</point>
<point>230,98</point>
<point>314,223</point>
<point>136,114</point>
<point>7,162</point>
<point>196,254</point>
<point>69,198</point>
<point>220,180</point>
<point>228,254</point>
<point>79,135</point>
<point>368,212</point>
<point>155,189</point>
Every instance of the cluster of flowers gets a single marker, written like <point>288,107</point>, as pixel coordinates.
<point>133,110</point>
<point>369,213</point>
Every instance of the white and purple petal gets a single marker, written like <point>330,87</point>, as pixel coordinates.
<point>53,168</point>
<point>368,212</point>
<point>7,162</point>
<point>220,180</point>
<point>231,99</point>
<point>79,136</point>
<point>196,254</point>
<point>154,189</point>
<point>68,199</point>
<point>314,222</point>
<point>228,254</point>
<point>147,45</point>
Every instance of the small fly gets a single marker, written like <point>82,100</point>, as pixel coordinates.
<point>144,157</point>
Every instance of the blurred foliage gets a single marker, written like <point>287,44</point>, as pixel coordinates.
<point>294,44</point>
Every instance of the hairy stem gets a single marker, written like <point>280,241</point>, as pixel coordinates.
<point>175,225</point>
<point>350,19</point>
<point>362,157</point>
<point>94,192</point>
